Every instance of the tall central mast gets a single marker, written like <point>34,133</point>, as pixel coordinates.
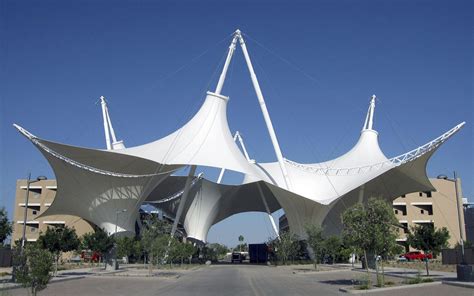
<point>266,115</point>
<point>106,123</point>
<point>220,84</point>
<point>369,119</point>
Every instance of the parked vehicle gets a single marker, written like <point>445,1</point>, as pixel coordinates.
<point>401,258</point>
<point>417,255</point>
<point>89,256</point>
<point>237,257</point>
<point>258,253</point>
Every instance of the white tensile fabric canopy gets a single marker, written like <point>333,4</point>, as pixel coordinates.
<point>98,185</point>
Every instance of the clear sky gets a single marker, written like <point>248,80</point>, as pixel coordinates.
<point>318,63</point>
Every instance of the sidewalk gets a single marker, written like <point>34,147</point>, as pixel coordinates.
<point>409,273</point>
<point>62,275</point>
<point>447,278</point>
<point>132,270</point>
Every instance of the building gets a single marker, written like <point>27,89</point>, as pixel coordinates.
<point>431,207</point>
<point>41,196</point>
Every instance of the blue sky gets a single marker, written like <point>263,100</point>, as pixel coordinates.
<point>318,63</point>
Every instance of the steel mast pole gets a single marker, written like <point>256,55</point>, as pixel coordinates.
<point>220,84</point>
<point>369,120</point>
<point>265,113</point>
<point>112,132</point>
<point>241,141</point>
<point>106,127</point>
<point>187,186</point>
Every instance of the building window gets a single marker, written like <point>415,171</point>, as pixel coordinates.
<point>403,196</point>
<point>428,194</point>
<point>422,211</point>
<point>34,212</point>
<point>420,194</point>
<point>430,210</point>
<point>400,209</point>
<point>33,229</point>
<point>405,227</point>
<point>35,193</point>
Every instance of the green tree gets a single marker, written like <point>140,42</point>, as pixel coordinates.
<point>242,247</point>
<point>5,226</point>
<point>429,239</point>
<point>286,247</point>
<point>354,223</point>
<point>159,249</point>
<point>154,236</point>
<point>33,267</point>
<point>99,241</point>
<point>126,247</point>
<point>371,228</point>
<point>315,242</point>
<point>332,246</point>
<point>241,241</point>
<point>188,251</point>
<point>174,250</point>
<point>57,240</point>
<point>219,250</point>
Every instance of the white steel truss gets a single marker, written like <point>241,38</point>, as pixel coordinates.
<point>392,162</point>
<point>35,141</point>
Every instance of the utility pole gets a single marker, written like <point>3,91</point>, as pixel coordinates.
<point>459,207</point>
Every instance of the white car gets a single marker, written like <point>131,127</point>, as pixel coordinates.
<point>402,258</point>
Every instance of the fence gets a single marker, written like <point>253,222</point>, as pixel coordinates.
<point>5,257</point>
<point>454,256</point>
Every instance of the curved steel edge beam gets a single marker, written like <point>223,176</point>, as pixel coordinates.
<point>39,143</point>
<point>396,161</point>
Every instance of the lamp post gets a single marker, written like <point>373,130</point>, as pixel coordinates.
<point>25,216</point>
<point>115,235</point>
<point>456,184</point>
<point>28,182</point>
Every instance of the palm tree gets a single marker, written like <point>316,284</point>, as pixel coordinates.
<point>241,239</point>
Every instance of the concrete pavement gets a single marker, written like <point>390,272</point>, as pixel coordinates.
<point>232,280</point>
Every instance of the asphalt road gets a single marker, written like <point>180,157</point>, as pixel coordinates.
<point>229,280</point>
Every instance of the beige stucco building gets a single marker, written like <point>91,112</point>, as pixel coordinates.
<point>41,196</point>
<point>434,207</point>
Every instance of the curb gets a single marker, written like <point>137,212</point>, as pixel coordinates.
<point>387,273</point>
<point>459,284</point>
<point>11,286</point>
<point>376,290</point>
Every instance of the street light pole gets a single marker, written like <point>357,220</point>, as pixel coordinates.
<point>458,205</point>
<point>23,237</point>
<point>115,235</point>
<point>456,184</point>
<point>25,215</point>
